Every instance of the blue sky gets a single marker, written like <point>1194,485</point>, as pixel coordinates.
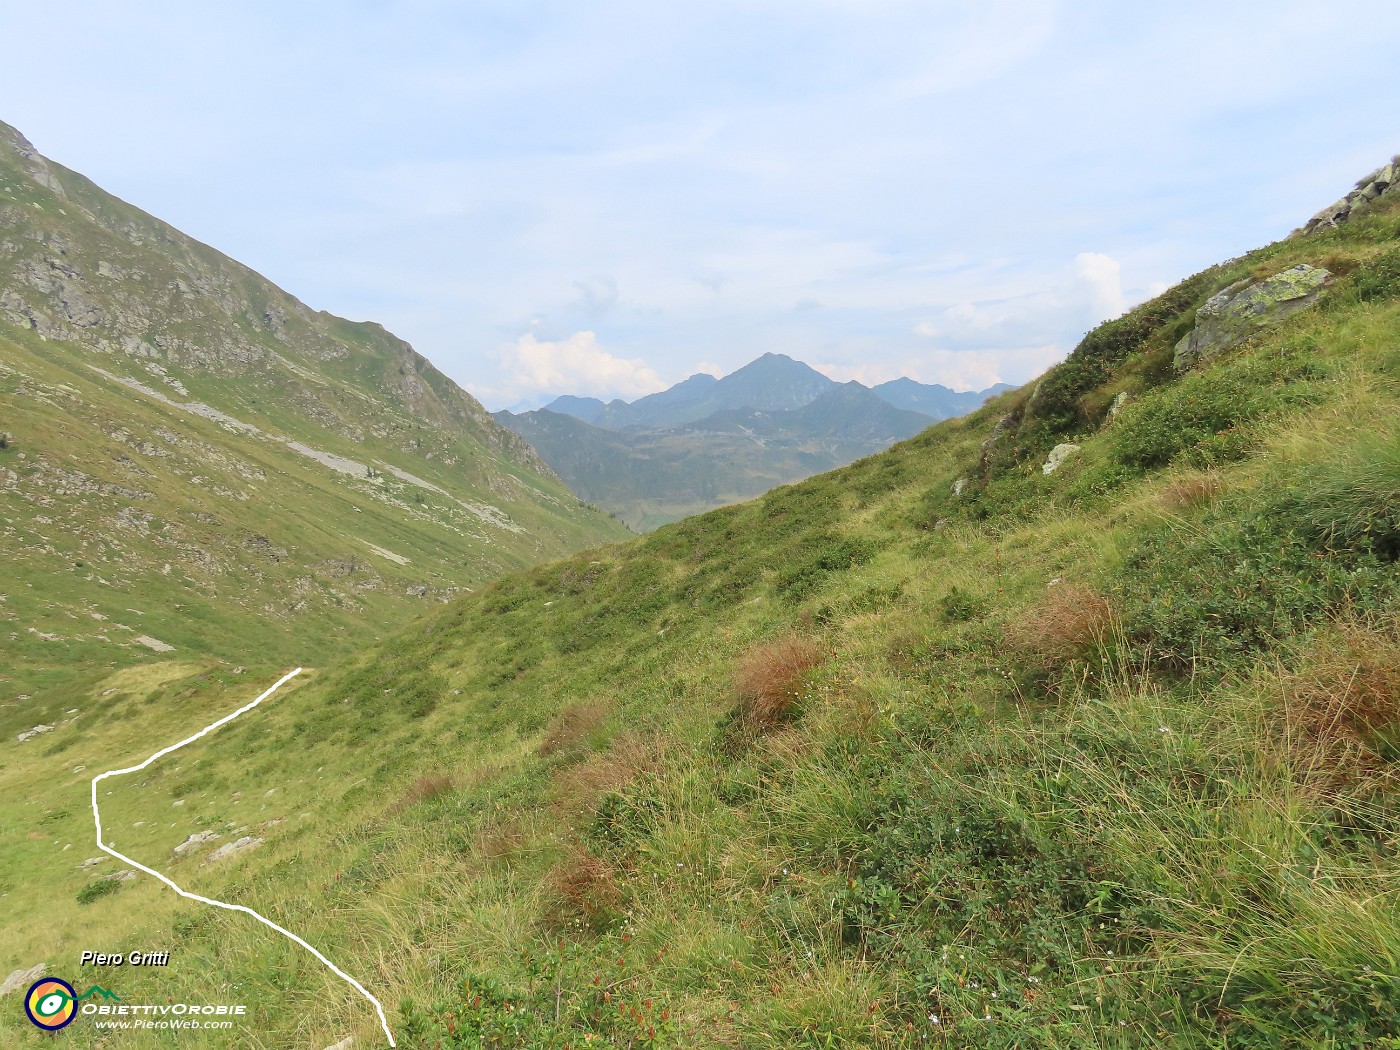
<point>604,198</point>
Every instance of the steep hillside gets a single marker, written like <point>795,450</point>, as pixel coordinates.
<point>194,458</point>
<point>1072,723</point>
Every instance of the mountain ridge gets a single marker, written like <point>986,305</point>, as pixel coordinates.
<point>769,382</point>
<point>705,441</point>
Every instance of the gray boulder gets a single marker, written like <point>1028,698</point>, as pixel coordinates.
<point>22,979</point>
<point>232,849</point>
<point>1246,307</point>
<point>199,838</point>
<point>1058,456</point>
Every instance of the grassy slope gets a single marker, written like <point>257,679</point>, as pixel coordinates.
<point>123,516</point>
<point>1098,759</point>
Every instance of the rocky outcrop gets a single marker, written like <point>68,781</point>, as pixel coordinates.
<point>199,838</point>
<point>1245,307</point>
<point>1380,183</point>
<point>1059,455</point>
<point>1116,405</point>
<point>231,849</point>
<point>21,979</point>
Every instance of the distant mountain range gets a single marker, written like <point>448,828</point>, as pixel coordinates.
<point>706,442</point>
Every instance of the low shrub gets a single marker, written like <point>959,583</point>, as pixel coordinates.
<point>1205,415</point>
<point>1379,278</point>
<point>98,889</point>
<point>824,555</point>
<point>1268,565</point>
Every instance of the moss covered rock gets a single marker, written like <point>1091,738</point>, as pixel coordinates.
<point>1237,312</point>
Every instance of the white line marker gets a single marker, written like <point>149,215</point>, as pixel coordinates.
<point>97,819</point>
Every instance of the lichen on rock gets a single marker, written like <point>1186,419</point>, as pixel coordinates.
<point>1058,455</point>
<point>1245,307</point>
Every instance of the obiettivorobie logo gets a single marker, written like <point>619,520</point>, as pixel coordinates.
<point>52,1003</point>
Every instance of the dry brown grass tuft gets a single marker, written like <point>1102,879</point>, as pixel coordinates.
<point>586,888</point>
<point>580,786</point>
<point>769,678</point>
<point>1339,263</point>
<point>1190,491</point>
<point>1068,622</point>
<point>500,841</point>
<point>1343,709</point>
<point>422,789</point>
<point>572,726</point>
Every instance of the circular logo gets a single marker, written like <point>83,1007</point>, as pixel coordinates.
<point>51,1003</point>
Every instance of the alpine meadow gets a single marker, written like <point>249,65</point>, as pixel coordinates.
<point>1070,723</point>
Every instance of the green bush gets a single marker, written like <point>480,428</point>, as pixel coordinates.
<point>97,890</point>
<point>1379,278</point>
<point>1260,568</point>
<point>1057,401</point>
<point>825,555</point>
<point>1204,414</point>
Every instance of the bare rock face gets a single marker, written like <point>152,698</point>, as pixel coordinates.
<point>19,980</point>
<point>1059,455</point>
<point>1234,314</point>
<point>199,838</point>
<point>1379,183</point>
<point>231,849</point>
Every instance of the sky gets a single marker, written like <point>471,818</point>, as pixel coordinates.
<point>604,198</point>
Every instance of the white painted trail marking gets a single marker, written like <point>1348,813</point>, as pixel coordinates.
<point>97,819</point>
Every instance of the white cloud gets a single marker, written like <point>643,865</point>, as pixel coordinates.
<point>926,330</point>
<point>575,365</point>
<point>970,317</point>
<point>1102,274</point>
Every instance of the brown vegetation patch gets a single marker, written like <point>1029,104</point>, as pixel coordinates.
<point>421,790</point>
<point>501,840</point>
<point>1070,621</point>
<point>585,888</point>
<point>768,681</point>
<point>572,726</point>
<point>1339,264</point>
<point>580,786</point>
<point>1191,491</point>
<point>1342,711</point>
